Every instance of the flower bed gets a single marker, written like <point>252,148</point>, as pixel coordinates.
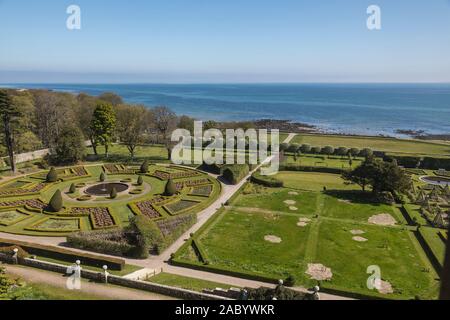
<point>162,175</point>
<point>32,203</point>
<point>202,191</point>
<point>57,225</point>
<point>101,218</point>
<point>180,206</point>
<point>8,218</point>
<point>171,225</point>
<point>147,209</point>
<point>22,191</point>
<point>117,169</point>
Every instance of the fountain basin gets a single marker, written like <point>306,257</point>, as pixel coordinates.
<point>436,180</point>
<point>104,189</point>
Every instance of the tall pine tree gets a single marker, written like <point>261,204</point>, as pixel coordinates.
<point>8,114</point>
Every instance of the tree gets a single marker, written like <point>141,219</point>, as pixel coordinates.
<point>328,150</point>
<point>131,124</point>
<point>366,153</point>
<point>165,120</point>
<point>170,189</point>
<point>85,112</point>
<point>342,151</point>
<point>294,148</point>
<point>111,98</point>
<point>103,125</point>
<point>52,175</point>
<point>354,152</point>
<point>56,202</point>
<point>187,123</point>
<point>9,115</point>
<point>316,150</point>
<point>305,148</point>
<point>70,146</point>
<point>284,147</point>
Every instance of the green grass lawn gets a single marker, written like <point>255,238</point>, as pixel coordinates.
<point>273,199</point>
<point>392,249</point>
<point>313,181</point>
<point>376,143</point>
<point>322,161</point>
<point>435,242</point>
<point>235,239</point>
<point>187,283</point>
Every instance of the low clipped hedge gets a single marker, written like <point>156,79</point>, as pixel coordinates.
<point>65,254</point>
<point>267,181</point>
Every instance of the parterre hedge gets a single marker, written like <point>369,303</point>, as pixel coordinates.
<point>65,254</point>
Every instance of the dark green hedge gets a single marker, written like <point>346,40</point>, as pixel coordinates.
<point>235,173</point>
<point>66,255</point>
<point>267,181</point>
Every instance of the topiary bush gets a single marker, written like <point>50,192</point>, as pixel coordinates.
<point>56,202</point>
<point>52,175</point>
<point>170,189</point>
<point>113,193</point>
<point>102,177</point>
<point>140,181</point>
<point>73,188</point>
<point>144,167</point>
<point>290,281</point>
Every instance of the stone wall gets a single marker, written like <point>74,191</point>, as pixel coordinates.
<point>116,280</point>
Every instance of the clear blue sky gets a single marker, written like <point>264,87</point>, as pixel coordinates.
<point>225,41</point>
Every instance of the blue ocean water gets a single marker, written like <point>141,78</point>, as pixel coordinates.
<point>344,108</point>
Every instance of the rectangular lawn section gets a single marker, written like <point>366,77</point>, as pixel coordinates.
<point>313,181</point>
<point>392,145</point>
<point>392,249</point>
<point>273,199</point>
<point>236,240</point>
<point>322,161</point>
<point>187,283</point>
<point>435,242</point>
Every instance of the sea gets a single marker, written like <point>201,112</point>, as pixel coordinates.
<point>363,109</point>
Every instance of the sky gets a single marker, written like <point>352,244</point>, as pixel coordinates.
<point>207,41</point>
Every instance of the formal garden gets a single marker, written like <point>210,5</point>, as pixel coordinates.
<point>103,198</point>
<point>310,227</point>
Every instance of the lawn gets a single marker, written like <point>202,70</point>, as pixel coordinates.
<point>187,283</point>
<point>376,143</point>
<point>437,245</point>
<point>260,235</point>
<point>273,199</point>
<point>313,181</point>
<point>322,161</point>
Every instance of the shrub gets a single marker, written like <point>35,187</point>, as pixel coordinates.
<point>56,202</point>
<point>144,167</point>
<point>284,147</point>
<point>102,177</point>
<point>267,181</point>
<point>290,281</point>
<point>293,148</point>
<point>140,181</point>
<point>113,193</point>
<point>73,188</point>
<point>342,151</point>
<point>148,236</point>
<point>354,152</point>
<point>52,175</point>
<point>235,173</point>
<point>69,147</point>
<point>170,189</point>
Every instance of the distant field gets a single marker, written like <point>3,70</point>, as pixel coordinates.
<point>380,144</point>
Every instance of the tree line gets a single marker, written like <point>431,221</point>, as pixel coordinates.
<point>63,122</point>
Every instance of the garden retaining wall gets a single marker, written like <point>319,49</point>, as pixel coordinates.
<point>116,280</point>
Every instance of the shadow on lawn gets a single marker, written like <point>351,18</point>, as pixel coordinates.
<point>354,196</point>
